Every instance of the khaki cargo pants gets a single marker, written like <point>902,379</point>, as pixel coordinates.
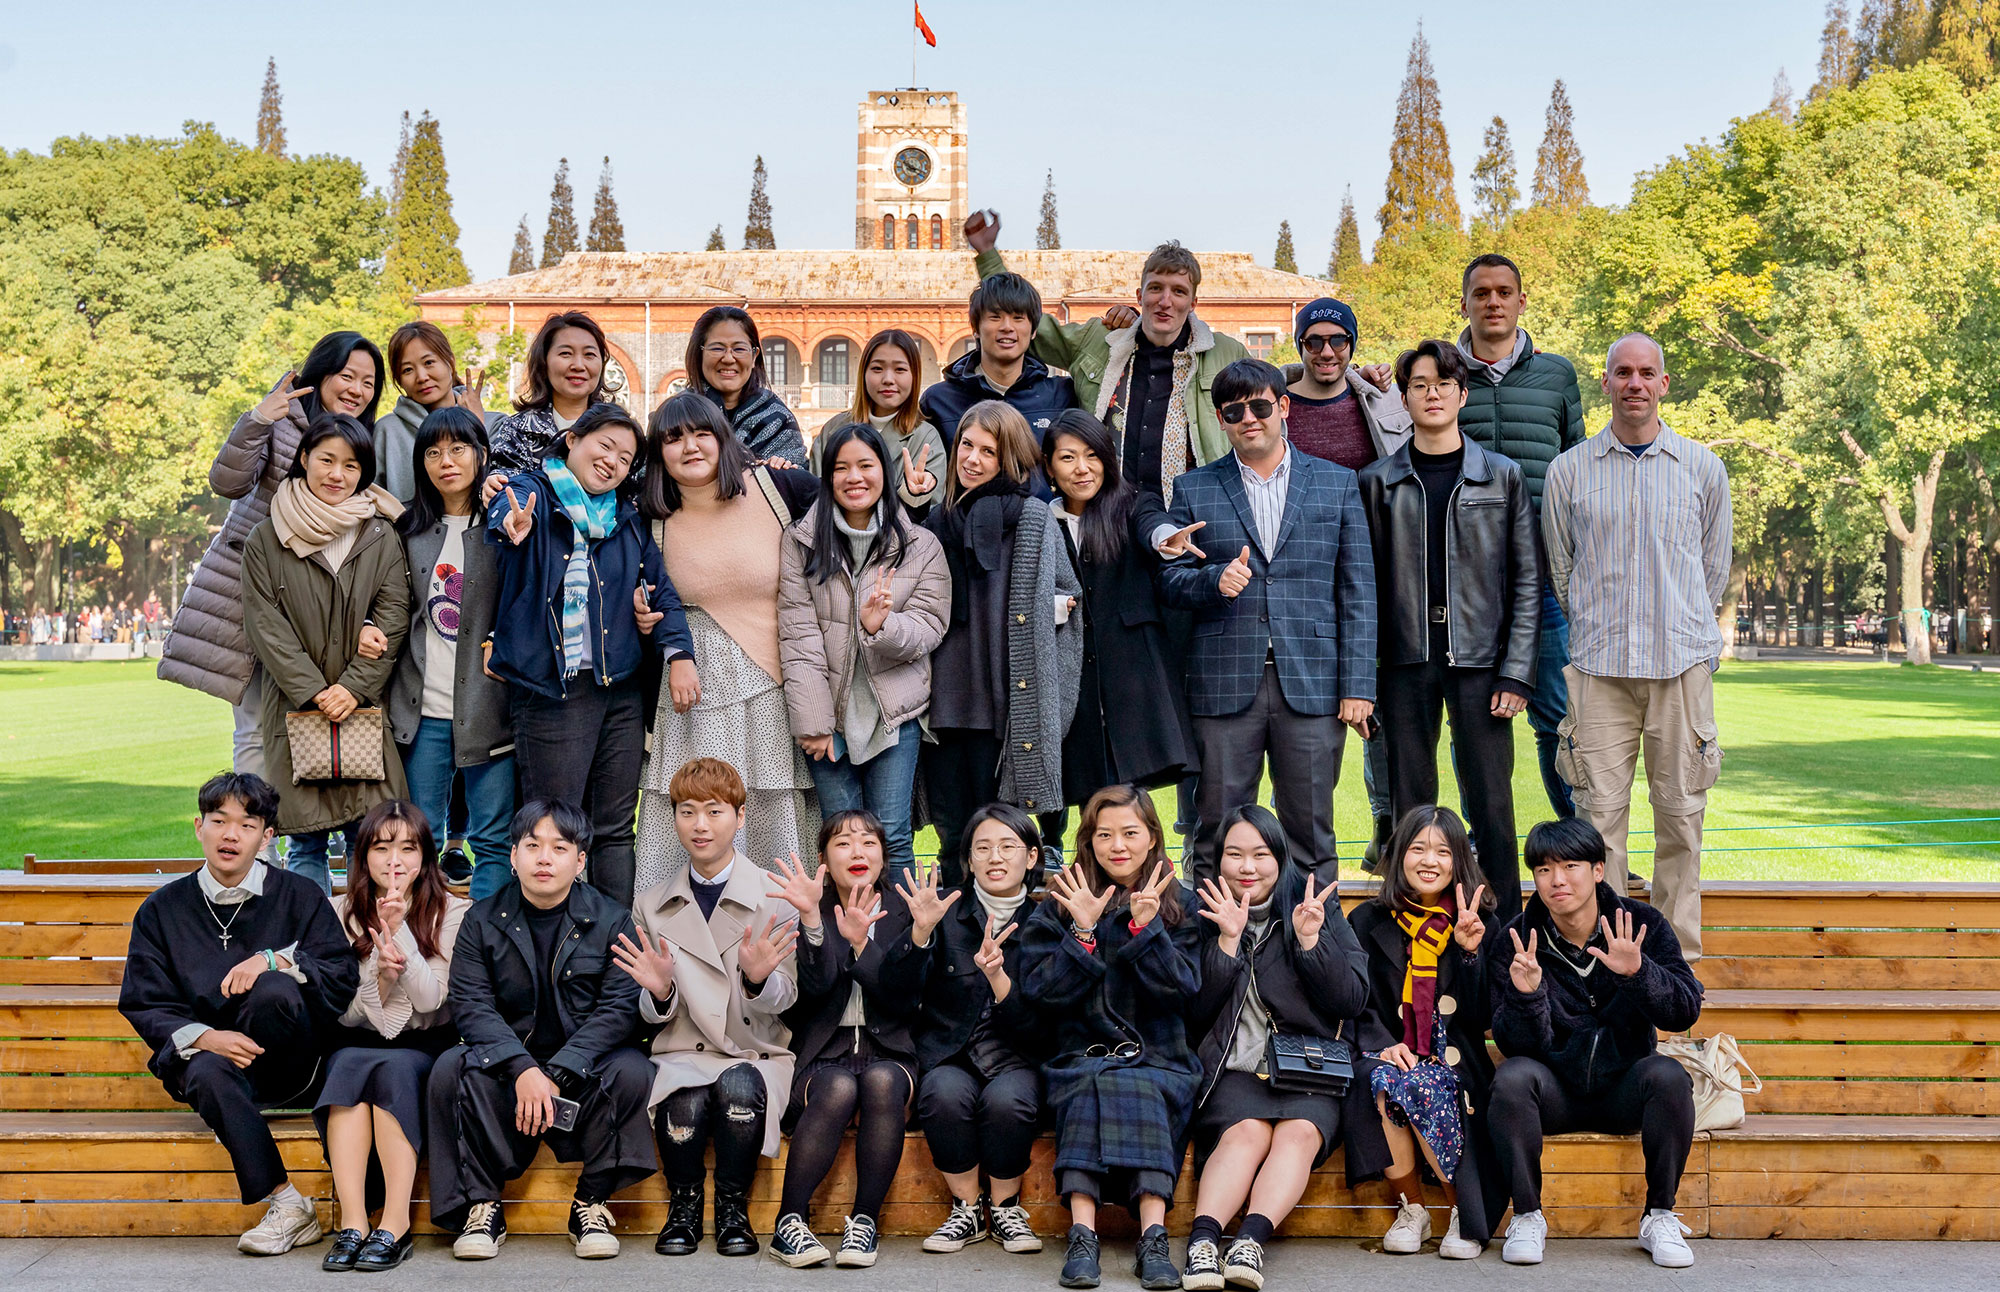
<point>1611,720</point>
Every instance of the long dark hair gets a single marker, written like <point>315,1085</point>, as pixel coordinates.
<point>1172,910</point>
<point>659,492</point>
<point>698,375</point>
<point>540,393</point>
<point>1108,514</point>
<point>329,355</point>
<point>1291,885</point>
<point>426,896</point>
<point>830,549</point>
<point>448,425</point>
<point>336,426</point>
<point>1465,871</point>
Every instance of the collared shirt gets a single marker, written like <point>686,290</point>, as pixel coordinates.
<point>217,894</point>
<point>1639,552</point>
<point>1267,499</point>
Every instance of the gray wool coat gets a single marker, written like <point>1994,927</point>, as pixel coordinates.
<point>1044,663</point>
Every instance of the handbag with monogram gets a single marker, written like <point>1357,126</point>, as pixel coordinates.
<point>352,749</point>
<point>1302,1064</point>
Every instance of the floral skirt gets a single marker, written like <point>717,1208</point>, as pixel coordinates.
<point>1426,1098</point>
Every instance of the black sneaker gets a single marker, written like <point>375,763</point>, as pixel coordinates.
<point>590,1230</point>
<point>384,1251</point>
<point>857,1243</point>
<point>1153,1263</point>
<point>1013,1228</point>
<point>1244,1266</point>
<point>1080,1269</point>
<point>480,1238</point>
<point>795,1245</point>
<point>346,1249</point>
<point>1204,1267</point>
<point>682,1232</point>
<point>965,1224</point>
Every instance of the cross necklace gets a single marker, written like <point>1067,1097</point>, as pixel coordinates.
<point>218,919</point>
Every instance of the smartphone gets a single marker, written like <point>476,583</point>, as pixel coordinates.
<point>1371,728</point>
<point>566,1111</point>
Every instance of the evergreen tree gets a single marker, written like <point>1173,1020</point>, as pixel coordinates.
<point>270,114</point>
<point>1494,177</point>
<point>399,168</point>
<point>1345,264</point>
<point>1838,62</point>
<point>1283,258</point>
<point>522,258</point>
<point>1893,33</point>
<point>757,235</point>
<point>1047,238</point>
<point>607,231</point>
<point>423,251</point>
<point>559,237</point>
<point>1559,181</point>
<point>715,240</point>
<point>1966,39</point>
<point>1781,97</point>
<point>1419,190</point>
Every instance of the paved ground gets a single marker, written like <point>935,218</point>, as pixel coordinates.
<point>545,1264</point>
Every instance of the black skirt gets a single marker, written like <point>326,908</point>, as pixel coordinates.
<point>383,1072</point>
<point>1244,1097</point>
<point>853,1051</point>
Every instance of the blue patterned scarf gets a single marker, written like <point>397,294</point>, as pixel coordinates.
<point>591,517</point>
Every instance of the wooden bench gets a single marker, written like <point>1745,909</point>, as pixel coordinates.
<point>33,865</point>
<point>1876,1120</point>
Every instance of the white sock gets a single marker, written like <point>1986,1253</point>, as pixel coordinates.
<point>288,1196</point>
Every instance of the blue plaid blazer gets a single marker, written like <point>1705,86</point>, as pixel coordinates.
<point>1311,600</point>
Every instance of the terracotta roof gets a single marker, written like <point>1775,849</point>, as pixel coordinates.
<point>860,275</point>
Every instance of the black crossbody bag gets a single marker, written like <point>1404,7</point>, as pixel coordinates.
<point>1302,1064</point>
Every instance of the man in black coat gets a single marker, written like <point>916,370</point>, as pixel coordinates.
<point>235,977</point>
<point>547,1019</point>
<point>1581,985</point>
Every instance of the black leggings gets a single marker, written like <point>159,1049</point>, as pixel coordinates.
<point>973,1122</point>
<point>729,1112</point>
<point>833,1095</point>
<point>1655,1097</point>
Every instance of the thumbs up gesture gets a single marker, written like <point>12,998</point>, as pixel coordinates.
<point>520,517</point>
<point>1235,575</point>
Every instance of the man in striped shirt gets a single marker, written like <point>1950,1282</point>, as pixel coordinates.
<point>1636,522</point>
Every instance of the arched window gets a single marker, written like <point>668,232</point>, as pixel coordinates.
<point>888,233</point>
<point>937,233</point>
<point>833,362</point>
<point>913,233</point>
<point>778,361</point>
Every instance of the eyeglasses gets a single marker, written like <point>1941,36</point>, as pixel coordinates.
<point>1336,343</point>
<point>1422,389</point>
<point>1122,1050</point>
<point>719,350</point>
<point>1257,408</point>
<point>1005,851</point>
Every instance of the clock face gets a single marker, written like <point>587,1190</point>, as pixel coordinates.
<point>913,167</point>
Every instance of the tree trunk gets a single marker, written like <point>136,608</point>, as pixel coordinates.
<point>1892,592</point>
<point>1725,618</point>
<point>1914,539</point>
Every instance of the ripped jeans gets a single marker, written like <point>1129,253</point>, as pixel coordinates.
<point>730,1113</point>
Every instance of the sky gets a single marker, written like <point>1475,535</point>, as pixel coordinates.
<point>1204,121</point>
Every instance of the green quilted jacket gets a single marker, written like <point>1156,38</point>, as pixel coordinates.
<point>1534,413</point>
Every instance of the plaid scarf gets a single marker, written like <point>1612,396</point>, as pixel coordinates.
<point>591,517</point>
<point>1429,931</point>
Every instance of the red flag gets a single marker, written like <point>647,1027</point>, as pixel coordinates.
<point>930,37</point>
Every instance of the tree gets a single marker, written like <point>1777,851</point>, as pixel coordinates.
<point>559,236</point>
<point>1838,60</point>
<point>1966,40</point>
<point>1781,97</point>
<point>1892,34</point>
<point>270,113</point>
<point>1559,181</point>
<point>1345,264</point>
<point>1493,177</point>
<point>522,258</point>
<point>607,231</point>
<point>1284,259</point>
<point>423,247</point>
<point>400,167</point>
<point>1047,237</point>
<point>757,234</point>
<point>1419,189</point>
<point>715,240</point>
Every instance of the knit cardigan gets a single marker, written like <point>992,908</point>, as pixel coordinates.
<point>1044,663</point>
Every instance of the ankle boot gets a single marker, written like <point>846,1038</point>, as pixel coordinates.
<point>733,1235</point>
<point>682,1232</point>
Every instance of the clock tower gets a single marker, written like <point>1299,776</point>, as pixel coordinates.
<point>909,171</point>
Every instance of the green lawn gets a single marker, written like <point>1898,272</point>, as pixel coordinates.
<point>101,759</point>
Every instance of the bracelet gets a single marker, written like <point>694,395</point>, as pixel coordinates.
<point>271,961</point>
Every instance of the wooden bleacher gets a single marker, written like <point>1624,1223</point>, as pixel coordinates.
<point>1869,1010</point>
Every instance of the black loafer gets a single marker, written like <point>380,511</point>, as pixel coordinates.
<point>385,1251</point>
<point>346,1248</point>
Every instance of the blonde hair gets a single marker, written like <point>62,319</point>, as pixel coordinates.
<point>1019,453</point>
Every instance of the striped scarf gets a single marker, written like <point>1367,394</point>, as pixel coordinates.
<point>1429,931</point>
<point>591,517</point>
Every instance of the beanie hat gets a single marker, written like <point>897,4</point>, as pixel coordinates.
<point>1327,310</point>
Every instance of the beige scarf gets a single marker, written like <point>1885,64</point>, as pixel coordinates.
<point>306,523</point>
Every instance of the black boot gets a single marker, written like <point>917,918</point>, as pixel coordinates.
<point>682,1232</point>
<point>733,1235</point>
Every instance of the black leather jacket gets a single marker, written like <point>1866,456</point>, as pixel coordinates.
<point>1493,577</point>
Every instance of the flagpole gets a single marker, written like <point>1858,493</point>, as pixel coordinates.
<point>913,47</point>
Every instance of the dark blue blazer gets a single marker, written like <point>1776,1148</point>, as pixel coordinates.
<point>1311,600</point>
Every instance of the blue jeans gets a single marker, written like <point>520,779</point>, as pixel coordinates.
<point>1375,776</point>
<point>489,801</point>
<point>1549,705</point>
<point>305,854</point>
<point>882,785</point>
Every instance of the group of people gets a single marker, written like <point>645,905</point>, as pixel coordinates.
<point>980,605</point>
<point>102,623</point>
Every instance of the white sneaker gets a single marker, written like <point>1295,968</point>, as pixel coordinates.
<point>1412,1227</point>
<point>1663,1234</point>
<point>1526,1237</point>
<point>1455,1247</point>
<point>285,1225</point>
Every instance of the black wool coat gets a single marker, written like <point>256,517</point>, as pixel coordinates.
<point>827,974</point>
<point>952,993</point>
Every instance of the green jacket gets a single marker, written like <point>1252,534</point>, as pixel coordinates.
<point>1533,414</point>
<point>1095,357</point>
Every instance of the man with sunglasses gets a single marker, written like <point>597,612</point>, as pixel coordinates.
<point>1283,651</point>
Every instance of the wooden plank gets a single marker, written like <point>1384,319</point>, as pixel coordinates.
<point>1805,1059</point>
<point>73,1056</point>
<point>83,1093</point>
<point>1849,911</point>
<point>33,865</point>
<point>1852,1015</point>
<point>1878,1098</point>
<point>1852,1189</point>
<point>44,940</point>
<point>1886,943</point>
<point>1727,973</point>
<point>1898,1223</point>
<point>62,972</point>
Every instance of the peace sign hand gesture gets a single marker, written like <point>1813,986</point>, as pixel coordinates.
<point>1309,916</point>
<point>800,887</point>
<point>1180,542</point>
<point>279,402</point>
<point>393,905</point>
<point>1146,897</point>
<point>990,960</point>
<point>1622,955</point>
<point>1524,968</point>
<point>390,959</point>
<point>1072,890</point>
<point>926,907</point>
<point>758,957</point>
<point>520,517</point>
<point>1469,931</point>
<point>855,916</point>
<point>1228,910</point>
<point>881,600</point>
<point>915,478</point>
